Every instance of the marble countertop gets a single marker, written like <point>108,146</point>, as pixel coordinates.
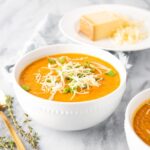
<point>18,19</point>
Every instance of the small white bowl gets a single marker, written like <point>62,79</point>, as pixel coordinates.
<point>133,140</point>
<point>69,115</point>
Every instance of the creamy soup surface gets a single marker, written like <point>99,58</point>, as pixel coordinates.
<point>141,122</point>
<point>69,78</point>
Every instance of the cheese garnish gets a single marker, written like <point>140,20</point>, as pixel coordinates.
<point>132,33</point>
<point>67,75</point>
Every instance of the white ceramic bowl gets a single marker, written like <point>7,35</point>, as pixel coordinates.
<point>134,142</point>
<point>69,115</point>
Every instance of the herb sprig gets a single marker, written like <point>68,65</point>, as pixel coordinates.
<point>30,135</point>
<point>7,144</point>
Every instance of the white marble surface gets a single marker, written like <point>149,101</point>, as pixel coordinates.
<point>18,20</point>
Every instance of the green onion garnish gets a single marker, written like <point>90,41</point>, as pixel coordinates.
<point>85,86</point>
<point>51,61</point>
<point>66,90</point>
<point>111,73</point>
<point>86,64</point>
<point>25,87</point>
<point>48,80</point>
<point>80,75</point>
<point>62,59</point>
<point>93,69</point>
<point>69,78</point>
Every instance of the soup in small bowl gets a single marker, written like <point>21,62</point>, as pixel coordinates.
<point>137,122</point>
<point>69,87</point>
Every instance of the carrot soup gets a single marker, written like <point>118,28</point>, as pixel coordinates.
<point>70,77</point>
<point>141,122</point>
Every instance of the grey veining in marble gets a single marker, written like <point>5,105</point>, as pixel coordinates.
<point>18,20</point>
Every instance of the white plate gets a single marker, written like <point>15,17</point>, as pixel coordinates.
<point>70,22</point>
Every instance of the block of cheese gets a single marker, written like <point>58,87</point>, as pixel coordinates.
<point>100,25</point>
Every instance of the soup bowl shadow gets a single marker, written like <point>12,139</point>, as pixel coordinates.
<point>133,140</point>
<point>68,116</point>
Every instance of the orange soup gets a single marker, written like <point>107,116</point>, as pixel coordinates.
<point>141,122</point>
<point>69,78</point>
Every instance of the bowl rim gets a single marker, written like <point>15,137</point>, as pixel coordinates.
<point>122,83</point>
<point>127,115</point>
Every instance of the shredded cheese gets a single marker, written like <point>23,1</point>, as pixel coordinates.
<point>66,75</point>
<point>132,33</point>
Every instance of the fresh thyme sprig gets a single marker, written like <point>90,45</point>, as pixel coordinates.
<point>6,144</point>
<point>30,136</point>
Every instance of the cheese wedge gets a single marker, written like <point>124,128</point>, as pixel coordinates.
<point>100,25</point>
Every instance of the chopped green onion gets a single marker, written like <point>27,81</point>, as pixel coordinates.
<point>71,74</point>
<point>71,91</point>
<point>78,66</point>
<point>51,61</point>
<point>80,75</point>
<point>87,71</point>
<point>62,59</point>
<point>25,87</point>
<point>84,86</point>
<point>93,69</point>
<point>97,78</point>
<point>66,90</point>
<point>86,64</point>
<point>48,80</point>
<point>68,78</point>
<point>111,73</point>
